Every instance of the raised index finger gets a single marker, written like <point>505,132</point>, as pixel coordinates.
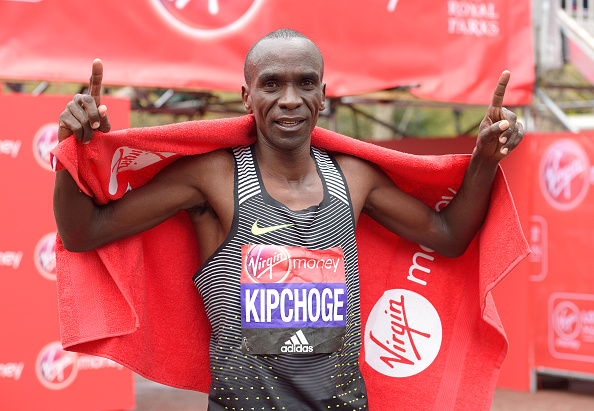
<point>500,89</point>
<point>95,81</point>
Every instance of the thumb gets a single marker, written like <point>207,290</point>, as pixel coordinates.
<point>104,126</point>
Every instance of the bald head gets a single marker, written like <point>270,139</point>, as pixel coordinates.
<point>282,34</point>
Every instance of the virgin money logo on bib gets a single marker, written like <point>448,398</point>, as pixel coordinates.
<point>206,17</point>
<point>564,174</point>
<point>297,296</point>
<point>267,263</point>
<point>403,334</point>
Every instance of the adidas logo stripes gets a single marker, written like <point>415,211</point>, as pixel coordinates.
<point>297,343</point>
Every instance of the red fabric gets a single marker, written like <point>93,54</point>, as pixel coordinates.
<point>134,301</point>
<point>446,50</point>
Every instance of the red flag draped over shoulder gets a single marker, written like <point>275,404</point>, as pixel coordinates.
<point>432,337</point>
<point>449,49</point>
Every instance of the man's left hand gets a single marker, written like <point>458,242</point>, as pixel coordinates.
<point>499,132</point>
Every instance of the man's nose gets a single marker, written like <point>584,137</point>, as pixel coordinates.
<point>290,98</point>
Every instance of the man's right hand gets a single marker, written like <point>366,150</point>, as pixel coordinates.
<point>84,113</point>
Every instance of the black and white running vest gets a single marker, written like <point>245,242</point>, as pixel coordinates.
<point>282,296</point>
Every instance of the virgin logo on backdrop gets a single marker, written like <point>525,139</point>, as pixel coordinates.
<point>44,141</point>
<point>571,326</point>
<point>56,369</point>
<point>205,18</point>
<point>564,174</point>
<point>403,334</point>
<point>45,256</point>
<point>566,320</point>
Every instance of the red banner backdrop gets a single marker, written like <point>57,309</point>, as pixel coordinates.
<point>546,303</point>
<point>454,50</point>
<point>561,236</point>
<point>35,373</point>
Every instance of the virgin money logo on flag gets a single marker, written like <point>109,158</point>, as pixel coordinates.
<point>298,296</point>
<point>403,334</point>
<point>127,160</point>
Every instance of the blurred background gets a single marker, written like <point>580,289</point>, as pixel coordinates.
<point>410,75</point>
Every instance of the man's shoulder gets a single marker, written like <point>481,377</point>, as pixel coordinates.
<point>222,154</point>
<point>349,161</point>
<point>359,173</point>
<point>217,161</point>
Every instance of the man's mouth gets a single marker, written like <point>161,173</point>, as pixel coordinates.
<point>289,123</point>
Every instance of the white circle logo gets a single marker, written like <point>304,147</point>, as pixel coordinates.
<point>44,141</point>
<point>56,368</point>
<point>45,256</point>
<point>267,263</point>
<point>566,320</point>
<point>403,334</point>
<point>564,178</point>
<point>207,18</point>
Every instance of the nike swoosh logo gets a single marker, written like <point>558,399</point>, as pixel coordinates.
<point>263,230</point>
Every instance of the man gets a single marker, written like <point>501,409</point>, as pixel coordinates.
<point>292,198</point>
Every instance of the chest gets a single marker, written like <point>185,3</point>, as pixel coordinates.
<point>295,195</point>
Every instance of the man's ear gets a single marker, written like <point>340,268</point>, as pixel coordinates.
<point>245,98</point>
<point>323,107</point>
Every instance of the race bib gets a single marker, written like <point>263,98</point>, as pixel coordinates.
<point>293,300</point>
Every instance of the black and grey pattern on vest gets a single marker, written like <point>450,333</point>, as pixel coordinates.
<point>287,381</point>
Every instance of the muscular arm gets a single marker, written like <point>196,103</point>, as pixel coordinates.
<point>450,231</point>
<point>187,183</point>
<point>83,225</point>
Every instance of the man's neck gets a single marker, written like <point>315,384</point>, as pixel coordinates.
<point>290,176</point>
<point>290,165</point>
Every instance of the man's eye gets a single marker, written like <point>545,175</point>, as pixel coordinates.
<point>307,83</point>
<point>269,84</point>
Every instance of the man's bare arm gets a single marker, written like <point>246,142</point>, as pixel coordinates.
<point>499,134</point>
<point>450,231</point>
<point>81,223</point>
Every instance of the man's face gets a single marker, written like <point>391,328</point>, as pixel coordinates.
<point>285,91</point>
